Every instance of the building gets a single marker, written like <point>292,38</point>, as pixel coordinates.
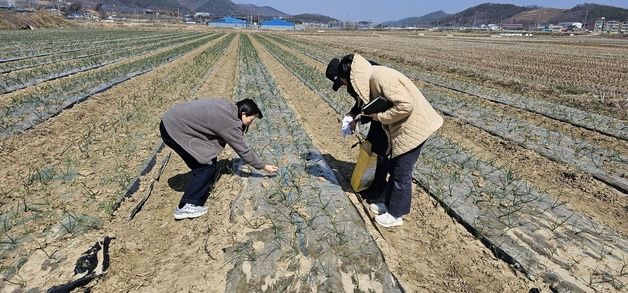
<point>493,27</point>
<point>513,26</point>
<point>277,24</point>
<point>599,25</point>
<point>614,27</point>
<point>227,22</point>
<point>7,3</point>
<point>609,26</point>
<point>571,25</point>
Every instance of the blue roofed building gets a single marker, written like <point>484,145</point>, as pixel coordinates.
<point>277,24</point>
<point>227,22</point>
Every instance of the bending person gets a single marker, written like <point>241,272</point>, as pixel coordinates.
<point>376,135</point>
<point>198,132</point>
<point>407,125</point>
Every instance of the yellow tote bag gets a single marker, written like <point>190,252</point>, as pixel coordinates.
<point>364,171</point>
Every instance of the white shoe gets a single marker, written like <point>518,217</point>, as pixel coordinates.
<point>378,208</point>
<point>387,220</point>
<point>189,211</point>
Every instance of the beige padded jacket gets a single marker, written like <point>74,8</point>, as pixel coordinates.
<point>411,120</point>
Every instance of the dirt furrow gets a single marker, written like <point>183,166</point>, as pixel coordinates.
<point>75,184</point>
<point>152,239</point>
<point>188,253</point>
<point>576,189</point>
<point>220,82</point>
<point>430,251</point>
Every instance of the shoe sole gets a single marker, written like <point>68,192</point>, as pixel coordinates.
<point>188,216</point>
<point>390,225</point>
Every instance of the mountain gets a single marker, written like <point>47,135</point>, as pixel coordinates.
<point>217,7</point>
<point>425,20</point>
<point>251,9</point>
<point>591,12</point>
<point>484,14</point>
<point>481,14</point>
<point>131,6</point>
<point>488,13</point>
<point>535,16</point>
<point>580,13</point>
<point>311,18</point>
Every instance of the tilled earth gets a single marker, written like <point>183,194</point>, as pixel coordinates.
<point>430,253</point>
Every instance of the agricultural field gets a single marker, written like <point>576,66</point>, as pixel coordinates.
<point>524,187</point>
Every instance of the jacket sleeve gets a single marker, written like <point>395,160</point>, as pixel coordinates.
<point>235,139</point>
<point>402,103</point>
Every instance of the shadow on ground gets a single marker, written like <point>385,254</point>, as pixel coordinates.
<point>180,181</point>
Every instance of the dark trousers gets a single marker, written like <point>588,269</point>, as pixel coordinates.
<point>399,188</point>
<point>203,175</point>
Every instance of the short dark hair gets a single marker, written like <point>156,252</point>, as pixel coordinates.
<point>249,108</point>
<point>344,69</point>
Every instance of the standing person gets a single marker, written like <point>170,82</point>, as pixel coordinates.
<point>198,131</point>
<point>407,125</point>
<point>376,135</point>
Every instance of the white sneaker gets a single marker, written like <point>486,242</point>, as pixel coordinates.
<point>189,211</point>
<point>387,220</point>
<point>378,208</point>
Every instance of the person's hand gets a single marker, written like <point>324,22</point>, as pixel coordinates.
<point>270,168</point>
<point>348,125</point>
<point>352,125</point>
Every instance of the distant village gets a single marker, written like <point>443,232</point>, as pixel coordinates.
<point>72,10</point>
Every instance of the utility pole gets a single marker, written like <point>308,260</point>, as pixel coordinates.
<point>586,15</point>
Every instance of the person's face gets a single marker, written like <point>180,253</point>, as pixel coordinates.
<point>248,120</point>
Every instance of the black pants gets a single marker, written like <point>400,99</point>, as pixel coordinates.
<point>203,175</point>
<point>399,188</point>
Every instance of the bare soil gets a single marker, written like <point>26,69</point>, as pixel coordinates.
<point>154,253</point>
<point>576,189</point>
<point>430,251</point>
<point>37,19</point>
<point>158,254</point>
<point>50,143</point>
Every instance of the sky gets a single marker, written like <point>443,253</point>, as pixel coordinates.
<point>385,10</point>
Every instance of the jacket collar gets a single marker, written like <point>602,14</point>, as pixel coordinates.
<point>361,71</point>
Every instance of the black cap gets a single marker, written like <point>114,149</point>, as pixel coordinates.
<point>332,73</point>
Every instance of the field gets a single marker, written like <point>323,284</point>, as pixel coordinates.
<point>525,186</point>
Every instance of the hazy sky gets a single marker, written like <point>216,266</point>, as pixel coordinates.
<point>384,10</point>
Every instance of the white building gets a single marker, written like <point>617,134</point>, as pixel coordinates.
<point>577,25</point>
<point>609,26</point>
<point>614,27</point>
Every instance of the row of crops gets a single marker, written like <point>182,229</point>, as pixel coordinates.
<point>88,51</point>
<point>61,186</point>
<point>18,45</point>
<point>306,224</point>
<point>596,122</point>
<point>565,70</point>
<point>538,234</point>
<point>52,67</point>
<point>23,109</point>
<point>602,163</point>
